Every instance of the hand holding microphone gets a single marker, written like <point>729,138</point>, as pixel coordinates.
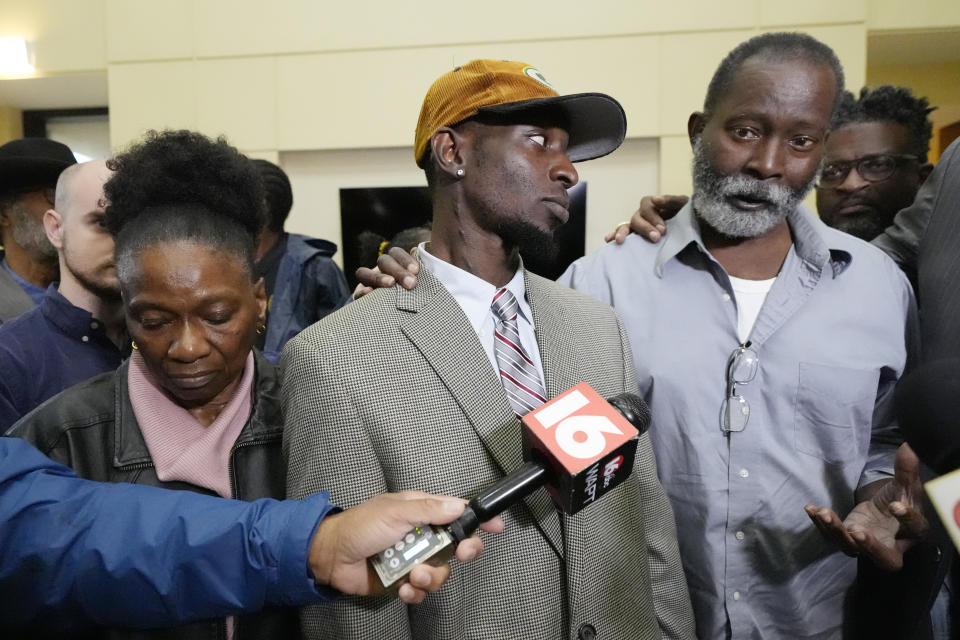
<point>342,542</point>
<point>578,445</point>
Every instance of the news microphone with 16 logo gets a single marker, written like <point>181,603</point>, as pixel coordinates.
<point>578,445</point>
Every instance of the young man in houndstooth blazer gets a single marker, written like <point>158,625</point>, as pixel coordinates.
<point>401,390</point>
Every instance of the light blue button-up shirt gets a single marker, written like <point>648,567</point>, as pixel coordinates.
<point>832,338</point>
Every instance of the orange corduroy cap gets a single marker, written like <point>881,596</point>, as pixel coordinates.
<point>596,122</point>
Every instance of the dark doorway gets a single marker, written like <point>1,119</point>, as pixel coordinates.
<point>373,218</point>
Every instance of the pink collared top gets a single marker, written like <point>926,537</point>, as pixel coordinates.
<point>182,448</point>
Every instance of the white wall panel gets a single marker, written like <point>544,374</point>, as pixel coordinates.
<point>238,98</point>
<point>141,30</point>
<point>67,35</point>
<point>158,95</point>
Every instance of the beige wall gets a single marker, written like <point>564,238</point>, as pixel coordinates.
<point>370,98</point>
<point>916,14</point>
<point>319,84</point>
<point>11,124</point>
<point>306,79</point>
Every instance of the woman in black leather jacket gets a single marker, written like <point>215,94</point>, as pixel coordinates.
<point>185,212</point>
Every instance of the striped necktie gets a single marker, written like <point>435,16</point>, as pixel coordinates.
<point>519,375</point>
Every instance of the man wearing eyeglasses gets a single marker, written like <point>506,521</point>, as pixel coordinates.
<point>875,160</point>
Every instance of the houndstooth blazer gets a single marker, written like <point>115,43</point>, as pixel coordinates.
<point>395,392</point>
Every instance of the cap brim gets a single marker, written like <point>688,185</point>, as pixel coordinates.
<point>596,122</point>
<point>16,173</point>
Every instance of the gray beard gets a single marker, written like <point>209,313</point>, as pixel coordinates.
<point>711,190</point>
<point>29,233</point>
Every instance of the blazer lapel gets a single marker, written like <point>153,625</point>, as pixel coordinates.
<point>561,366</point>
<point>561,370</point>
<point>437,327</point>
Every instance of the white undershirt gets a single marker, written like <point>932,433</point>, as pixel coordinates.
<point>749,295</point>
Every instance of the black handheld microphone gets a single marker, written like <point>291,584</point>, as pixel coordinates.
<point>579,446</point>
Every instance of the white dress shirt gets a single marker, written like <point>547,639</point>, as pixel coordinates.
<point>475,297</point>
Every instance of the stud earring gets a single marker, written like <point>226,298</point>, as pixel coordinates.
<point>134,346</point>
<point>460,173</point>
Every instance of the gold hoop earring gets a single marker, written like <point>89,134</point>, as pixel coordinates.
<point>261,328</point>
<point>134,346</point>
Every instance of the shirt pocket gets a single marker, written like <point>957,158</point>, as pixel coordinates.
<point>834,410</point>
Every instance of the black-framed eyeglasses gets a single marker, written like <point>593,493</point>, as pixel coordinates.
<point>741,368</point>
<point>873,168</point>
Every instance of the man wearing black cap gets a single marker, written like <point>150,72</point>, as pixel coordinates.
<point>477,343</point>
<point>28,262</point>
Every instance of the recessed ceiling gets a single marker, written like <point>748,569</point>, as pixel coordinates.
<point>913,47</point>
<point>55,92</point>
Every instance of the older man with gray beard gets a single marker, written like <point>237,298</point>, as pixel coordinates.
<point>767,346</point>
<point>28,262</point>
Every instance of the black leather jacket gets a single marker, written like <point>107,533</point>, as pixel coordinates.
<point>91,428</point>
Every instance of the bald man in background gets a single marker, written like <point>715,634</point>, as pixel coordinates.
<point>77,331</point>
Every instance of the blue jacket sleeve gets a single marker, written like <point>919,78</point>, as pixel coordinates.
<point>76,553</point>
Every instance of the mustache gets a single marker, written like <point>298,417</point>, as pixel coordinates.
<point>856,199</point>
<point>740,184</point>
<point>753,188</point>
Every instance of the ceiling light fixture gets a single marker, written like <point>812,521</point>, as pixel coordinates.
<point>16,57</point>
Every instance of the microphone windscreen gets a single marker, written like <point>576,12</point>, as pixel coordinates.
<point>926,403</point>
<point>634,409</point>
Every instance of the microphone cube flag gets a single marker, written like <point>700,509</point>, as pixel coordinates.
<point>584,441</point>
<point>944,493</point>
